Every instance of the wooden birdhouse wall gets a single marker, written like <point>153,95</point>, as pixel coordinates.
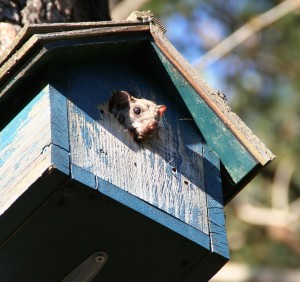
<point>72,179</point>
<point>173,179</point>
<point>163,171</point>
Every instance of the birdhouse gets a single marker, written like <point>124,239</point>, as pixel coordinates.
<point>84,195</point>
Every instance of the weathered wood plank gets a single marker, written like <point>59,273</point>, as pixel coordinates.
<point>50,38</point>
<point>155,214</point>
<point>215,208</point>
<point>166,172</point>
<point>31,143</point>
<point>237,160</point>
<point>260,152</point>
<point>50,54</point>
<point>219,252</point>
<point>75,221</point>
<point>84,176</point>
<point>109,152</point>
<point>23,154</point>
<point>59,119</point>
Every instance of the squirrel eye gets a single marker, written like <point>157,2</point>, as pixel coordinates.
<point>137,110</point>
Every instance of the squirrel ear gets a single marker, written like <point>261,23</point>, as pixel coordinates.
<point>132,99</point>
<point>161,109</point>
<point>119,101</point>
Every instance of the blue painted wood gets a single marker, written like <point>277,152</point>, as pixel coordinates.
<point>59,130</point>
<point>9,133</point>
<point>35,141</point>
<point>167,172</point>
<point>155,214</point>
<point>83,176</point>
<point>219,251</point>
<point>32,145</point>
<point>59,118</point>
<point>215,208</point>
<point>236,159</point>
<point>97,83</point>
<point>183,187</point>
<point>75,221</point>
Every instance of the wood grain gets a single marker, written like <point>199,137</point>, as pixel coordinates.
<point>215,205</point>
<point>232,153</point>
<point>31,144</point>
<point>238,128</point>
<point>108,151</point>
<point>24,150</point>
<point>232,137</point>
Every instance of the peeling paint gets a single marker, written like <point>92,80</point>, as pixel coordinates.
<point>147,170</point>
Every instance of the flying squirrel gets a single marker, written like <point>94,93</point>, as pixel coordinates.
<point>138,115</point>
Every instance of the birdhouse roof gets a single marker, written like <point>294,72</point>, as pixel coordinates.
<point>241,153</point>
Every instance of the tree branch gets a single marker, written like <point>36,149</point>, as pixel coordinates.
<point>281,184</point>
<point>239,36</point>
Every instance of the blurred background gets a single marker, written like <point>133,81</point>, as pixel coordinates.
<point>250,51</point>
